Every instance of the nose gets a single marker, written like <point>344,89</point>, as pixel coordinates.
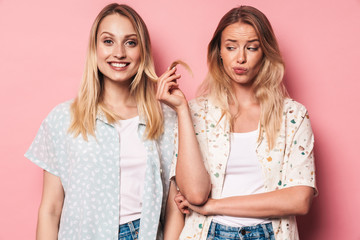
<point>120,51</point>
<point>241,56</point>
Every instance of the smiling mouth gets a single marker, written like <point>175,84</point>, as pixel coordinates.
<point>119,65</point>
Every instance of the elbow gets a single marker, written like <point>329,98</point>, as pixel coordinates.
<point>54,212</point>
<point>303,209</point>
<point>197,197</point>
<point>196,194</point>
<point>303,204</point>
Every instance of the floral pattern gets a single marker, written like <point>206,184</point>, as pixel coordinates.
<point>89,172</point>
<point>290,163</point>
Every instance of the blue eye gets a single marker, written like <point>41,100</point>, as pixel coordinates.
<point>107,41</point>
<point>131,43</point>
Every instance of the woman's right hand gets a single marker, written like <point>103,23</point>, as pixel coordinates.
<point>168,90</point>
<point>192,177</point>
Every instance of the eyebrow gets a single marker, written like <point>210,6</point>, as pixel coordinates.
<point>126,36</point>
<point>250,41</point>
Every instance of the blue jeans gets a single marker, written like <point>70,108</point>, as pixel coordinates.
<point>130,230</point>
<point>258,232</point>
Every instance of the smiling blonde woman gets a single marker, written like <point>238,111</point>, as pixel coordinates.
<point>106,155</point>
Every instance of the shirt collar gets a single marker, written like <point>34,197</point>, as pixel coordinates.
<point>101,116</point>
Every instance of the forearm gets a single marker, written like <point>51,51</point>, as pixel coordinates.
<point>50,208</point>
<point>174,219</point>
<point>47,226</point>
<point>284,202</point>
<point>191,175</point>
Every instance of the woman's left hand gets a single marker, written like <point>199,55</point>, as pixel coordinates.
<point>185,207</point>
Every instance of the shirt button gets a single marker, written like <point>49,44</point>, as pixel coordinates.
<point>161,170</point>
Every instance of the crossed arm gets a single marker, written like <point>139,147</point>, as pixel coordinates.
<point>288,201</point>
<point>194,181</point>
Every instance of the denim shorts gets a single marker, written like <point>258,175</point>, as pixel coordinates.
<point>130,230</point>
<point>258,232</point>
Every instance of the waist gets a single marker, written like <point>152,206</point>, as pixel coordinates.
<point>129,228</point>
<point>259,230</point>
<point>239,221</point>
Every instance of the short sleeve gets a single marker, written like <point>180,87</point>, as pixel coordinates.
<point>42,150</point>
<point>301,166</point>
<point>48,148</point>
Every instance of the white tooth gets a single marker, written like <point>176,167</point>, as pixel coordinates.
<point>118,64</point>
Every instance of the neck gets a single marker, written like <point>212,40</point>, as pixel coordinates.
<point>117,97</point>
<point>246,113</point>
<point>244,94</point>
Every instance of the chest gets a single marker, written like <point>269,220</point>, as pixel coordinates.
<point>218,149</point>
<point>245,119</point>
<point>242,157</point>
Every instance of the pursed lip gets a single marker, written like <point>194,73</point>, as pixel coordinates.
<point>240,70</point>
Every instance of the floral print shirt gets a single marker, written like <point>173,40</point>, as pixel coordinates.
<point>289,163</point>
<point>89,173</point>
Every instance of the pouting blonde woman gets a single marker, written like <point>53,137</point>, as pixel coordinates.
<point>106,155</point>
<point>245,165</point>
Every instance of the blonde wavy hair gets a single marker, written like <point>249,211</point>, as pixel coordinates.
<point>268,85</point>
<point>88,102</point>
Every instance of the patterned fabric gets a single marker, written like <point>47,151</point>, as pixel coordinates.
<point>290,163</point>
<point>89,173</point>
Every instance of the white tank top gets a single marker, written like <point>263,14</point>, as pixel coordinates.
<point>243,176</point>
<point>132,170</point>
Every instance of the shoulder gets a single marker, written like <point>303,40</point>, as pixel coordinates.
<point>295,115</point>
<point>199,104</point>
<point>293,108</point>
<point>60,114</point>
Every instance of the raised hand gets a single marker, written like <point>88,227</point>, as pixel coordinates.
<point>168,90</point>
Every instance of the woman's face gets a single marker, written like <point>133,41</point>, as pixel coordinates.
<point>118,49</point>
<point>241,52</point>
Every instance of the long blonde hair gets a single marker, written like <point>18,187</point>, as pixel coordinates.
<point>85,107</point>
<point>268,84</point>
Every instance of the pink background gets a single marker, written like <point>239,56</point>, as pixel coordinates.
<point>42,54</point>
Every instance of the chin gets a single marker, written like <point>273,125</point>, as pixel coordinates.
<point>241,80</point>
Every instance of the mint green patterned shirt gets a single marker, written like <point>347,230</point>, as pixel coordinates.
<point>89,173</point>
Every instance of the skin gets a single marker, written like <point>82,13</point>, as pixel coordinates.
<point>241,55</point>
<point>169,93</point>
<point>116,43</point>
<point>50,208</point>
<point>174,219</point>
